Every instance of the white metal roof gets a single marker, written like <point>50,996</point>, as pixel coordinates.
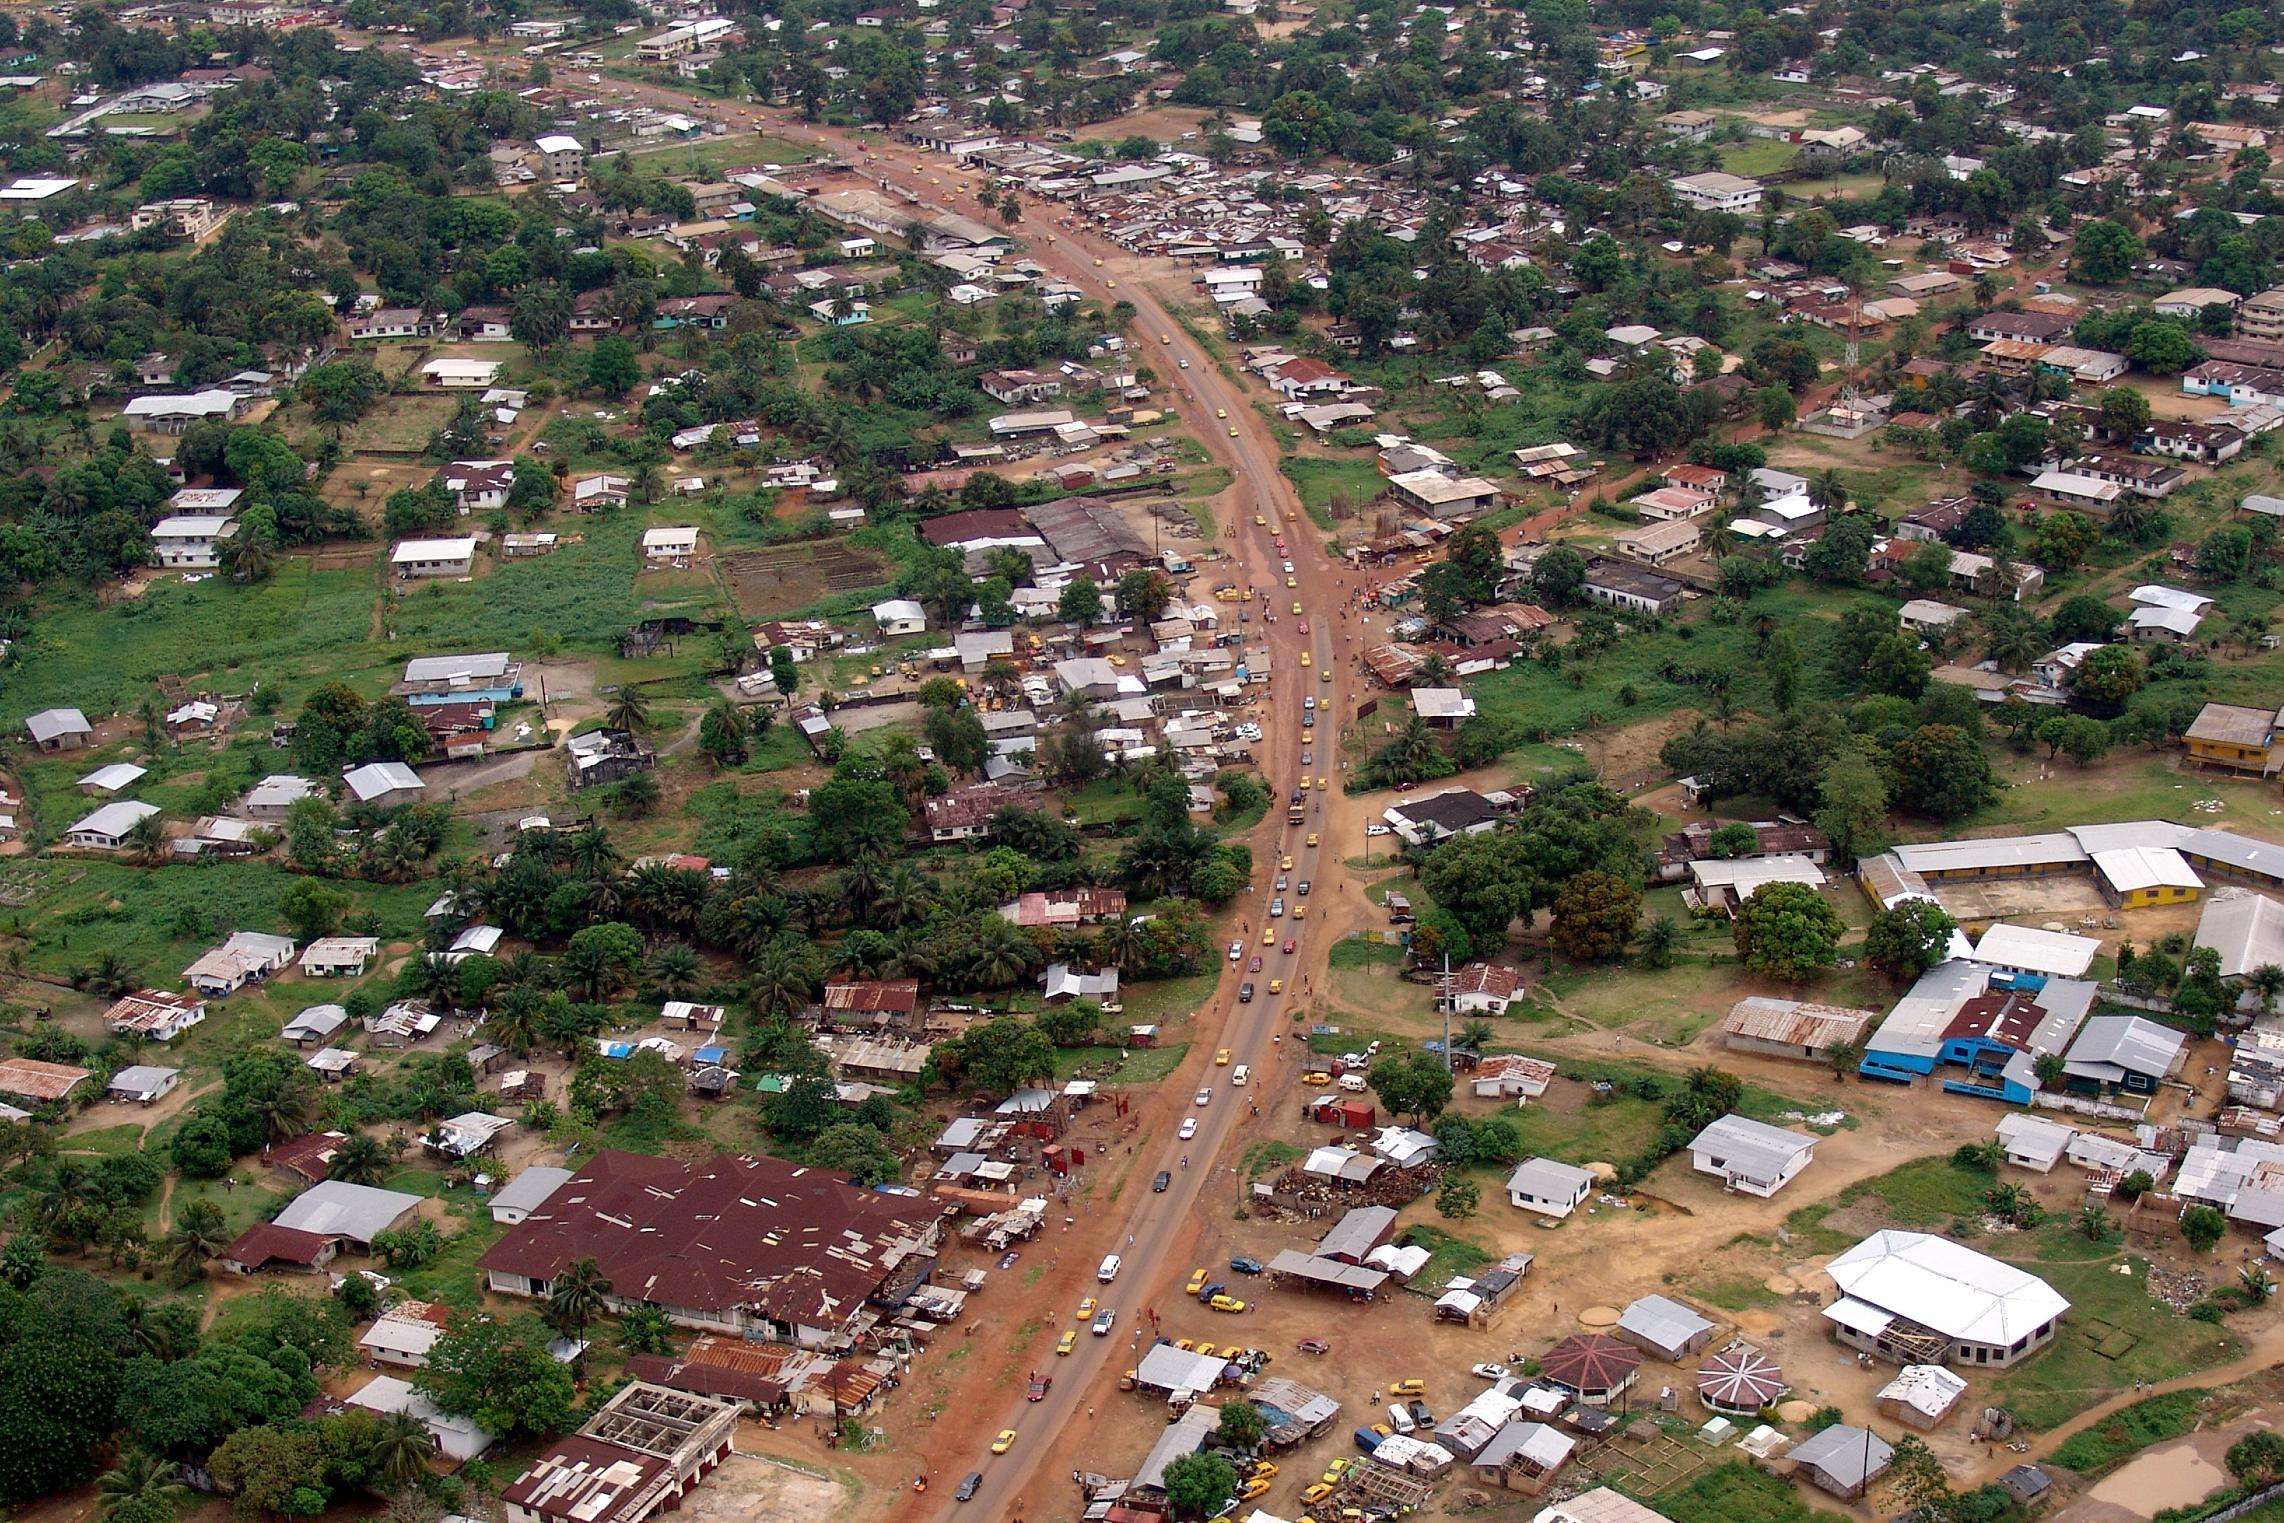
<point>2246,928</point>
<point>2059,954</point>
<point>1946,1286</point>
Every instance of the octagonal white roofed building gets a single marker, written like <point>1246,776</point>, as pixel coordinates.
<point>1920,1299</point>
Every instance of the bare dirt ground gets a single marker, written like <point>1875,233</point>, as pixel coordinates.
<point>746,1487</point>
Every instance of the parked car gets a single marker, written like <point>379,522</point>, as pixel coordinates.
<point>1489,1371</point>
<point>1314,1346</point>
<point>1246,1266</point>
<point>1208,1291</point>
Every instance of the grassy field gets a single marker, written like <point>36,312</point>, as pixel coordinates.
<point>1603,1132</point>
<point>2130,1430</point>
<point>1737,1493</point>
<point>1318,480</point>
<point>1667,1005</point>
<point>2116,1332</point>
<point>1631,681</point>
<point>1448,1256</point>
<point>160,921</point>
<point>1757,156</point>
<point>299,628</point>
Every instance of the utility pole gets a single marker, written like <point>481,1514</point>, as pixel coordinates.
<point>1445,989</point>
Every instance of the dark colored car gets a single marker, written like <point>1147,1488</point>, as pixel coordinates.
<point>1246,1266</point>
<point>970,1486</point>
<point>1210,1291</point>
<point>1158,1185</point>
<point>1245,993</point>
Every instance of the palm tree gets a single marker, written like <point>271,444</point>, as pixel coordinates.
<point>591,853</point>
<point>402,1448</point>
<point>138,1484</point>
<point>1473,1035</point>
<point>906,896</point>
<point>1828,491</point>
<point>2267,981</point>
<point>629,710</point>
<point>2258,1284</point>
<point>2015,636</point>
<point>1411,755</point>
<point>783,977</point>
<point>284,1112</point>
<point>577,1297</point>
<point>147,837</point>
<point>359,1160</point>
<point>198,1235</point>
<point>2093,1223</point>
<point>1122,944</point>
<point>674,970</point>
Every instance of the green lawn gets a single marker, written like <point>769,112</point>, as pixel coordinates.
<point>1756,156</point>
<point>1318,480</point>
<point>1634,679</point>
<point>1352,952</point>
<point>160,921</point>
<point>2116,1332</point>
<point>1737,1493</point>
<point>1447,1256</point>
<point>2130,1430</point>
<point>1167,1000</point>
<point>1605,1131</point>
<point>1142,1066</point>
<point>1666,1005</point>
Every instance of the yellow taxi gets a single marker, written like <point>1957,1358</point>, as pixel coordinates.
<point>1325,675</point>
<point>1285,863</point>
<point>1269,936</point>
<point>1300,912</point>
<point>1304,785</point>
<point>1187,1345</point>
<point>1259,522</point>
<point>1221,412</point>
<point>1197,1283</point>
<point>1308,735</point>
<point>1317,1492</point>
<point>1004,1442</point>
<point>1232,430</point>
<point>1316,1076</point>
<point>1226,1303</point>
<point>1408,1388</point>
<point>1098,264</point>
<point>1324,782</point>
<point>1208,1349</point>
<point>1263,1470</point>
<point>1292,581</point>
<point>1257,1488</point>
<point>1221,1058</point>
<point>1276,986</point>
<point>1066,1343</point>
<point>1085,1311</point>
<point>1112,284</point>
<point>1307,659</point>
<point>1296,608</point>
<point>1165,338</point>
<point>1312,838</point>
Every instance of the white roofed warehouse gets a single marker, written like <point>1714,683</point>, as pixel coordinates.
<point>1920,1299</point>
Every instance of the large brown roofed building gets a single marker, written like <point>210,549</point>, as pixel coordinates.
<point>733,1244</point>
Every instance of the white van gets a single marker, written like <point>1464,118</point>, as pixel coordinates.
<point>1108,1270</point>
<point>1399,1419</point>
<point>1353,1083</point>
<point>1239,1074</point>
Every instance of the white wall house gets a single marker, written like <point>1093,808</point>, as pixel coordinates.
<point>1750,1156</point>
<point>1547,1187</point>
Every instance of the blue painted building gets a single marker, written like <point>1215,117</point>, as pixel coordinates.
<point>1977,1029</point>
